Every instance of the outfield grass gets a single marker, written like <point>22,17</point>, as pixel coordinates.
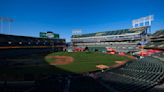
<point>86,61</point>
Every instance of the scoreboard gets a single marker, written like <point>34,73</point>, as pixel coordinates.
<point>49,35</point>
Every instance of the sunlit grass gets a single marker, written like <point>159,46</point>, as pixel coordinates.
<point>86,61</point>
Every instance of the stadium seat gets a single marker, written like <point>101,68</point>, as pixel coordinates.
<point>135,76</point>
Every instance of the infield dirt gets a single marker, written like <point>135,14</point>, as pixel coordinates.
<point>60,60</point>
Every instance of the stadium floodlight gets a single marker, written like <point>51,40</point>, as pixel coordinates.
<point>145,21</point>
<point>4,19</point>
<point>76,31</point>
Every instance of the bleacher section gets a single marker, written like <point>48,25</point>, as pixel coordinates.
<point>115,32</point>
<point>118,46</point>
<point>135,76</point>
<point>12,40</point>
<point>124,40</point>
<point>55,83</point>
<point>158,34</point>
<point>156,40</point>
<point>11,45</point>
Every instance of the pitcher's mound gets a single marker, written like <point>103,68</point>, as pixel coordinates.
<point>61,60</point>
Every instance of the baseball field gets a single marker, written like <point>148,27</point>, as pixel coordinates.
<point>79,62</point>
<point>56,63</point>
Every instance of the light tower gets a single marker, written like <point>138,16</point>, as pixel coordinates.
<point>143,21</point>
<point>5,19</point>
<point>75,32</point>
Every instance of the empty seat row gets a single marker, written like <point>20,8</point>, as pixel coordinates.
<point>135,76</point>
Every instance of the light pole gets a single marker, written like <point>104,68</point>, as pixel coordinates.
<point>4,19</point>
<point>1,20</point>
<point>10,21</point>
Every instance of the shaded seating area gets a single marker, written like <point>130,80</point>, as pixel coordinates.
<point>13,40</point>
<point>135,76</point>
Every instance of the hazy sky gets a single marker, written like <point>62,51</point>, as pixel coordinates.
<point>63,16</point>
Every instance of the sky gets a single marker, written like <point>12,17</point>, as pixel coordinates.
<point>62,16</point>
